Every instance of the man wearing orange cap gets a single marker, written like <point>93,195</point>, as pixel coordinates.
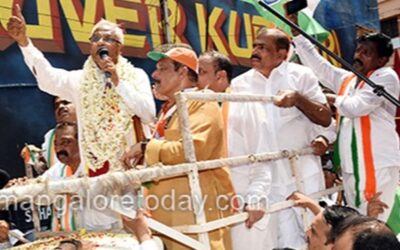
<point>176,71</point>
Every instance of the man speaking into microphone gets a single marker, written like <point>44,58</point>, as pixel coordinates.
<point>107,93</point>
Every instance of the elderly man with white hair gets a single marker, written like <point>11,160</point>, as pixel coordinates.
<point>107,93</point>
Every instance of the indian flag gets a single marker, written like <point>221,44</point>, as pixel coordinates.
<point>306,21</point>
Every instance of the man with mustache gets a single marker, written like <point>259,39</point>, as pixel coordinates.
<point>176,70</point>
<point>367,147</point>
<point>64,111</point>
<point>69,166</point>
<point>287,123</point>
<point>107,93</point>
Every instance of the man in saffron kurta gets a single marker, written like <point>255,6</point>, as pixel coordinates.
<point>367,148</point>
<point>176,69</point>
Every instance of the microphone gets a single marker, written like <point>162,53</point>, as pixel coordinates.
<point>103,53</point>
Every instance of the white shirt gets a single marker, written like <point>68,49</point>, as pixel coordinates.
<point>260,127</point>
<point>65,84</point>
<point>57,173</point>
<point>357,103</point>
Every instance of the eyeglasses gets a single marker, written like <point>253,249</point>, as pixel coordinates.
<point>107,39</point>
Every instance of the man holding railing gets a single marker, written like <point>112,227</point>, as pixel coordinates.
<point>286,124</point>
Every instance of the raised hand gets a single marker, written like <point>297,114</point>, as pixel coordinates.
<point>16,27</point>
<point>294,19</point>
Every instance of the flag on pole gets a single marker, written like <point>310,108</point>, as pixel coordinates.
<point>396,68</point>
<point>306,21</point>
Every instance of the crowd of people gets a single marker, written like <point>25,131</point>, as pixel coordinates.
<point>96,134</point>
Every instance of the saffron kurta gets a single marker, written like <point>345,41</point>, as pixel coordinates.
<point>207,131</point>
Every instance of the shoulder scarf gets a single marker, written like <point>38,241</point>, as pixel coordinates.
<point>64,220</point>
<point>361,149</point>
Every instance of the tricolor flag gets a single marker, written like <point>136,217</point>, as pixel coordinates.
<point>306,21</point>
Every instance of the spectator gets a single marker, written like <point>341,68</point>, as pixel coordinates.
<point>364,233</point>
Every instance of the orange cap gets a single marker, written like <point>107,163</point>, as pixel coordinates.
<point>184,56</point>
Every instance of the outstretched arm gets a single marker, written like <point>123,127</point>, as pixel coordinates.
<point>57,82</point>
<point>302,200</point>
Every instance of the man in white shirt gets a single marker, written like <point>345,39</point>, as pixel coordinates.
<point>64,111</point>
<point>69,166</point>
<point>367,148</point>
<point>107,92</point>
<point>265,127</point>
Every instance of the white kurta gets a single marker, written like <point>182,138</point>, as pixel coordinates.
<point>56,173</point>
<point>66,84</point>
<point>257,127</point>
<point>356,103</point>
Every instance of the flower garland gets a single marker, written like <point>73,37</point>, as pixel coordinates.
<point>105,117</point>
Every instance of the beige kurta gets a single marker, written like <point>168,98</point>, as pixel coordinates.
<point>207,131</point>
